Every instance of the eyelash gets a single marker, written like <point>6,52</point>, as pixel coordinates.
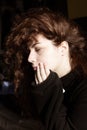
<point>37,49</point>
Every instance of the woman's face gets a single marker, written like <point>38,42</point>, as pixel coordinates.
<point>45,52</point>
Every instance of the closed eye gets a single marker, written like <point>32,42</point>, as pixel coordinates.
<point>37,49</point>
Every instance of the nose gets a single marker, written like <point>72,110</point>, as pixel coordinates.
<point>31,57</point>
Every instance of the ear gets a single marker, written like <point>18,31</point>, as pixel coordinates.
<point>64,48</point>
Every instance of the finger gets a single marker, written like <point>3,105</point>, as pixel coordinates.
<point>38,74</point>
<point>36,80</point>
<point>47,71</point>
<point>42,71</point>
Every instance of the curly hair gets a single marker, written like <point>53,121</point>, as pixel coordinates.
<point>53,26</point>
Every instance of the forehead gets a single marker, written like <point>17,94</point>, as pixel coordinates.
<point>34,40</point>
<point>40,40</point>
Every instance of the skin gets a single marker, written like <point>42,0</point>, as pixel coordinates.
<point>45,56</point>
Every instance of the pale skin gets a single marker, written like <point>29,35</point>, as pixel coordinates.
<point>45,56</point>
<point>41,73</point>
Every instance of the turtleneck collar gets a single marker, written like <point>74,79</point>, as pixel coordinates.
<point>75,76</point>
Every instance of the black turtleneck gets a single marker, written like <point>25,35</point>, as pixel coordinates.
<point>58,110</point>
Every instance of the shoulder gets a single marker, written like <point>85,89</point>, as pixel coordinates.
<point>80,92</point>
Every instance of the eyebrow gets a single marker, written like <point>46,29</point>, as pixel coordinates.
<point>34,44</point>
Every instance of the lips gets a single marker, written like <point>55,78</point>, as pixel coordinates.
<point>35,67</point>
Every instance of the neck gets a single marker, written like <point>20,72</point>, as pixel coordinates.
<point>64,68</point>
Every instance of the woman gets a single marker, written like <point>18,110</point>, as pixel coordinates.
<point>46,48</point>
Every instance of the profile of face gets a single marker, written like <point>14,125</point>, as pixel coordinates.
<point>45,52</point>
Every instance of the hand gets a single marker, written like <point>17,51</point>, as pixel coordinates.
<point>42,73</point>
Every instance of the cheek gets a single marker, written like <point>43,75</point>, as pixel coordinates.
<point>49,63</point>
<point>49,59</point>
<point>52,64</point>
<point>41,59</point>
<point>44,59</point>
<point>52,61</point>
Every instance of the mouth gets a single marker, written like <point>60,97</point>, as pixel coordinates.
<point>34,67</point>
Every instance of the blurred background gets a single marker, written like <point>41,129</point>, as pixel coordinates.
<point>74,9</point>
